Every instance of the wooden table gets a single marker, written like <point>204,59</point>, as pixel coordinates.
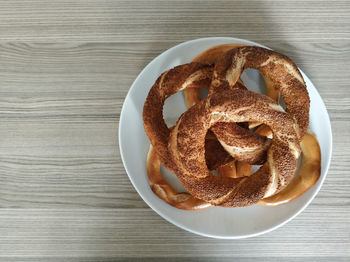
<point>65,69</point>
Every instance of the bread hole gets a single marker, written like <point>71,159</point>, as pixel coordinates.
<point>253,80</point>
<point>173,108</point>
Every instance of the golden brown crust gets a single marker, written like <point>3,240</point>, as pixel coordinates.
<point>242,143</point>
<point>278,70</point>
<point>193,75</point>
<point>167,84</point>
<point>307,176</point>
<point>211,55</point>
<point>187,149</point>
<point>164,191</point>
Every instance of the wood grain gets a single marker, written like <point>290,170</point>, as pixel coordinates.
<point>150,21</point>
<point>65,69</point>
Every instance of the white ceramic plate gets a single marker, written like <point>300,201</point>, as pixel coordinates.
<point>217,222</point>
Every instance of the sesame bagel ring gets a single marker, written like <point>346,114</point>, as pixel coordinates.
<point>186,148</point>
<point>167,84</point>
<point>251,147</point>
<point>279,72</point>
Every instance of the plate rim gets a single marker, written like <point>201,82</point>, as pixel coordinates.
<point>168,218</point>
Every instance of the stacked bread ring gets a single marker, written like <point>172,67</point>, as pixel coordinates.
<point>214,132</point>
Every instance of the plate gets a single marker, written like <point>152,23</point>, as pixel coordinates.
<point>216,222</point>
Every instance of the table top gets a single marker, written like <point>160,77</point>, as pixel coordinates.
<point>65,69</point>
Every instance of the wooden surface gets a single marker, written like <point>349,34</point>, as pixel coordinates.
<point>65,69</point>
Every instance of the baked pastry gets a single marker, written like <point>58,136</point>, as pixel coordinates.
<point>189,148</point>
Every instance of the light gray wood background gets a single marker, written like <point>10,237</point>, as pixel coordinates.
<point>65,69</point>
